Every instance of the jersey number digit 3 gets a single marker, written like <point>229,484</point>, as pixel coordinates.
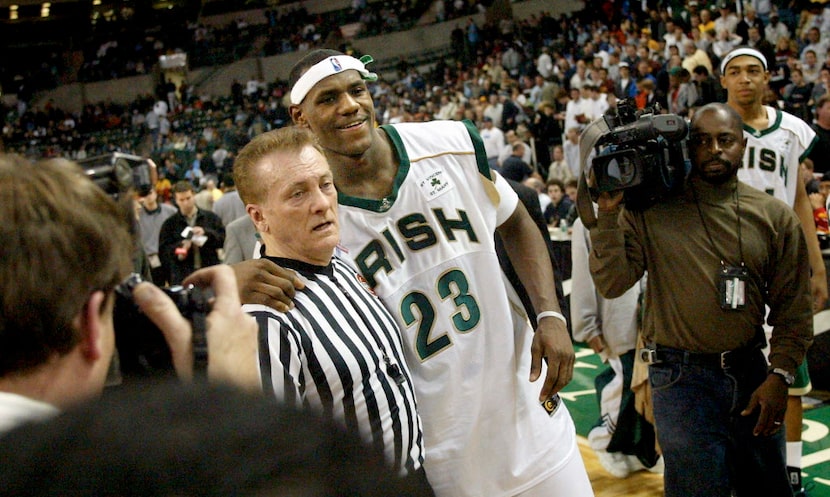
<point>416,307</point>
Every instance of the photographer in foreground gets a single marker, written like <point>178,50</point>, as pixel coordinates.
<point>715,253</point>
<point>66,246</point>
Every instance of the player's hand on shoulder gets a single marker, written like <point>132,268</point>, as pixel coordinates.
<point>261,281</point>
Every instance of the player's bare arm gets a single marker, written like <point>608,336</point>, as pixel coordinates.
<point>818,279</point>
<point>528,254</point>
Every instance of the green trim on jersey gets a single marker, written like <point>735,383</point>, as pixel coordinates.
<point>758,134</point>
<point>809,148</point>
<point>478,145</point>
<point>385,203</point>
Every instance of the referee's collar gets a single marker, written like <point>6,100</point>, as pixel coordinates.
<point>300,266</point>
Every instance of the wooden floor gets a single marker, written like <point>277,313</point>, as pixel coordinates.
<point>640,484</point>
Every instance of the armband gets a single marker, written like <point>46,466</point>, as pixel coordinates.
<point>551,314</point>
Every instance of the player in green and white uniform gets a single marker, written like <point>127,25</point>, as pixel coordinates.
<point>777,143</point>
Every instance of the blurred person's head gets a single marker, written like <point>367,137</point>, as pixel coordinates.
<point>810,57</point>
<point>185,197</point>
<point>555,190</point>
<point>571,187</point>
<point>66,245</point>
<point>170,439</point>
<point>558,154</point>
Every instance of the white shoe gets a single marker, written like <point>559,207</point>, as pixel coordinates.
<point>613,462</point>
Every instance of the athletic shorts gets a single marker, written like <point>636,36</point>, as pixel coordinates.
<point>801,386</point>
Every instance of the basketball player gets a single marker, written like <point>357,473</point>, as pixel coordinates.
<point>419,208</point>
<point>777,143</point>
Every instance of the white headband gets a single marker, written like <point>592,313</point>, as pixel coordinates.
<point>329,67</point>
<point>743,51</point>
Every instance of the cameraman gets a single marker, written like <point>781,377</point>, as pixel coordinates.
<point>66,246</point>
<point>715,255</point>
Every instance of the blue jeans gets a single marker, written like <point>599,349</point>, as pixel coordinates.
<point>708,447</point>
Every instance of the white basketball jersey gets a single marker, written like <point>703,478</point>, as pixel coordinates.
<point>773,155</point>
<point>428,251</point>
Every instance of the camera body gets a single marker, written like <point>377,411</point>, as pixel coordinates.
<point>142,349</point>
<point>117,173</point>
<point>642,153</point>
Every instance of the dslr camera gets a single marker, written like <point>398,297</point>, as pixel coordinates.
<point>142,350</point>
<point>117,173</point>
<point>641,152</point>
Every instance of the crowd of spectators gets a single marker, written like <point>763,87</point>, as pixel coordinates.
<point>126,43</point>
<point>540,77</point>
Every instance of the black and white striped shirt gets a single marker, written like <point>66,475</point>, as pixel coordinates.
<point>339,351</point>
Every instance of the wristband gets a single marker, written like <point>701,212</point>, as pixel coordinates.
<point>551,314</point>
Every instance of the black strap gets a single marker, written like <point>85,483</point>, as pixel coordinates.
<point>200,345</point>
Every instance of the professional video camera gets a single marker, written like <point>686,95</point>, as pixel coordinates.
<point>142,350</point>
<point>642,153</point>
<point>117,173</point>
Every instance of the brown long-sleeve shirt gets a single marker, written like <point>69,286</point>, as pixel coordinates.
<point>670,241</point>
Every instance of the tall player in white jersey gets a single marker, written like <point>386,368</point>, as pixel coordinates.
<point>419,211</point>
<point>777,143</point>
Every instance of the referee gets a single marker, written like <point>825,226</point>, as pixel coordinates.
<point>337,350</point>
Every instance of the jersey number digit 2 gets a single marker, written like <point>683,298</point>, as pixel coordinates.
<point>452,284</point>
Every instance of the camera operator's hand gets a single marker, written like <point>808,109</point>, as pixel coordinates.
<point>231,333</point>
<point>609,201</point>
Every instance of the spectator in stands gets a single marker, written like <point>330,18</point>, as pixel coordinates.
<point>507,151</point>
<point>682,94</point>
<point>559,168</point>
<point>775,29</point>
<point>625,87</point>
<point>693,57</point>
<point>707,87</point>
<point>560,204</point>
<point>195,174</point>
<point>750,20</point>
<point>493,139</point>
<point>813,42</point>
<point>727,20</point>
<point>755,39</point>
<point>820,88</point>
<point>796,96</point>
<point>514,167</point>
<point>810,68</point>
<point>571,150</point>
<point>821,150</point>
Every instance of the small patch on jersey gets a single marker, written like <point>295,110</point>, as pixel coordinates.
<point>365,284</point>
<point>435,184</point>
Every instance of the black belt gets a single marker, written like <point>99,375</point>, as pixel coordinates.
<point>722,360</point>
